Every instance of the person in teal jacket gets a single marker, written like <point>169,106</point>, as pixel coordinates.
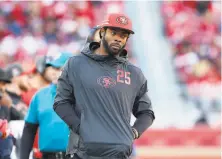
<point>53,132</point>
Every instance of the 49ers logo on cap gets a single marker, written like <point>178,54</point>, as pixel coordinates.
<point>122,20</point>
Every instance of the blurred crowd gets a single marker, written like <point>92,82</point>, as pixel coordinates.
<point>32,29</point>
<point>193,29</point>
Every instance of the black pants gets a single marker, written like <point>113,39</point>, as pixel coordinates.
<point>5,157</point>
<point>73,157</point>
<point>56,155</point>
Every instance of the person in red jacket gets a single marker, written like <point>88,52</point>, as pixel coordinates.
<point>6,141</point>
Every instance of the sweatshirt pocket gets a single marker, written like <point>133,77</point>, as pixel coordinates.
<point>127,123</point>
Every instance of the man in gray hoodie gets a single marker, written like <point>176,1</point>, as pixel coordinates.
<point>97,92</point>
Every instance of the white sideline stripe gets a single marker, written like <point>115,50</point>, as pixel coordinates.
<point>178,151</point>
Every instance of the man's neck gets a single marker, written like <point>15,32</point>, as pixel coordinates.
<point>38,81</point>
<point>101,51</point>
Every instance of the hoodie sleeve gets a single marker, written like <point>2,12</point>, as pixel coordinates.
<point>27,139</point>
<point>64,102</point>
<point>30,128</point>
<point>142,110</point>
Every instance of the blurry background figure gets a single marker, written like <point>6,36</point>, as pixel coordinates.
<point>42,106</point>
<point>15,70</point>
<point>37,78</point>
<point>16,88</point>
<point>5,100</point>
<point>6,140</point>
<point>19,84</point>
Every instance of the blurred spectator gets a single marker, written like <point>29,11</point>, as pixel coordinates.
<point>6,140</point>
<point>33,29</point>
<point>14,90</point>
<point>5,100</point>
<point>33,80</point>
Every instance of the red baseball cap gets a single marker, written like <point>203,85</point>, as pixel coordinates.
<point>117,20</point>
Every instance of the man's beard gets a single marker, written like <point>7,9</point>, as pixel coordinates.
<point>109,50</point>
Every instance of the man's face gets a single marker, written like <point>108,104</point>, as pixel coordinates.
<point>114,40</point>
<point>23,82</point>
<point>19,84</point>
<point>52,74</point>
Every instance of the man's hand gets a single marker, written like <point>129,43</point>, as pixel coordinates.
<point>5,100</point>
<point>135,134</point>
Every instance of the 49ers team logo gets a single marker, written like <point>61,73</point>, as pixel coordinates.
<point>122,20</point>
<point>106,81</point>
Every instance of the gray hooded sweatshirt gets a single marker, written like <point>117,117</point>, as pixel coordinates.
<point>95,97</point>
